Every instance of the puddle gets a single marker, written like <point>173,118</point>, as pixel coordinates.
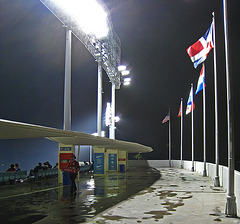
<point>171,206</point>
<point>157,214</point>
<point>56,205</point>
<point>164,194</point>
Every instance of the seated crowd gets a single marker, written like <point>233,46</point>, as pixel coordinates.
<point>47,170</point>
<point>13,168</point>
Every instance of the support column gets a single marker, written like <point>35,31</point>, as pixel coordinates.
<point>99,161</point>
<point>67,82</point>
<point>113,106</point>
<point>99,103</point>
<point>122,161</point>
<point>112,160</point>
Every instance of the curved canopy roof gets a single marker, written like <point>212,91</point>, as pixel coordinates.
<point>18,130</point>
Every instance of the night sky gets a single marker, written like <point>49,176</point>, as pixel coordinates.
<point>154,37</point>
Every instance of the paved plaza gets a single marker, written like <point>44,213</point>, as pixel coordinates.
<point>179,196</point>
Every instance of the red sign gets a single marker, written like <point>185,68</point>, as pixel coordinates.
<point>122,159</point>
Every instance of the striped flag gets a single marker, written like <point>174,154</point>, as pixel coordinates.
<point>167,118</point>
<point>201,80</point>
<point>199,50</point>
<point>189,103</point>
<point>180,111</point>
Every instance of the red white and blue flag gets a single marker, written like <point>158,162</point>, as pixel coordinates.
<point>201,80</point>
<point>167,118</point>
<point>199,50</point>
<point>189,102</point>
<point>180,111</point>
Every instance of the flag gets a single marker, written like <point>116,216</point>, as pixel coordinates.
<point>167,118</point>
<point>199,50</point>
<point>189,103</point>
<point>201,80</point>
<point>180,111</point>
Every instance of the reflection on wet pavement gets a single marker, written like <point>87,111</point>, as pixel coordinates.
<point>45,202</point>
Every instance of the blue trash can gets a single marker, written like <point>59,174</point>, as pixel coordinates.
<point>66,179</point>
<point>122,168</point>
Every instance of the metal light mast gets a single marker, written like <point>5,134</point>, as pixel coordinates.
<point>106,50</point>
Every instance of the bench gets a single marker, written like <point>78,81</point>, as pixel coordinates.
<point>7,176</point>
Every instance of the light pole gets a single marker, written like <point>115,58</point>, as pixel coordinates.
<point>124,72</point>
<point>113,105</point>
<point>99,102</point>
<point>89,22</point>
<point>67,83</point>
<point>231,207</point>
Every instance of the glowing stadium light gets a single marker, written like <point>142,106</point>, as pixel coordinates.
<point>126,81</point>
<point>121,68</point>
<point>117,119</point>
<point>108,114</point>
<point>125,72</point>
<point>90,16</point>
<point>72,13</point>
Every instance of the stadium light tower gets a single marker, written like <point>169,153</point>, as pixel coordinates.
<point>103,43</point>
<point>108,119</point>
<point>126,81</point>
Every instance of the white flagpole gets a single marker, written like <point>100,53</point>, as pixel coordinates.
<point>192,128</point>
<point>231,207</point>
<point>181,131</point>
<point>204,127</point>
<point>169,139</point>
<point>216,179</point>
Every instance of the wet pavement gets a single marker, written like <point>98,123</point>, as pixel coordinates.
<point>46,202</point>
<point>179,196</point>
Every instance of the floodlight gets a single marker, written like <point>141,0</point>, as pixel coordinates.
<point>117,119</point>
<point>90,16</point>
<point>121,67</point>
<point>96,36</point>
<point>125,72</point>
<point>127,80</point>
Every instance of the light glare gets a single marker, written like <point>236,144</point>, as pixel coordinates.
<point>117,119</point>
<point>125,72</point>
<point>121,68</point>
<point>90,16</point>
<point>108,114</point>
<point>127,79</point>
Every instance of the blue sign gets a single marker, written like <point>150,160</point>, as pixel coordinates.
<point>65,149</point>
<point>99,163</point>
<point>112,161</point>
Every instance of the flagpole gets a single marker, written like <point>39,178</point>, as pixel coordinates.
<point>192,128</point>
<point>231,207</point>
<point>169,138</point>
<point>181,132</point>
<point>216,179</point>
<point>204,127</point>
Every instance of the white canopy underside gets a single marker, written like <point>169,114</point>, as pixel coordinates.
<point>17,130</point>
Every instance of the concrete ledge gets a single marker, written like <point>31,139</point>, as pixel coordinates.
<point>198,167</point>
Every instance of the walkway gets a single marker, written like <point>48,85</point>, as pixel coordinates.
<point>179,196</point>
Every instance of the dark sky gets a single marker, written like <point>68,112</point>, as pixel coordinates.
<point>154,36</point>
